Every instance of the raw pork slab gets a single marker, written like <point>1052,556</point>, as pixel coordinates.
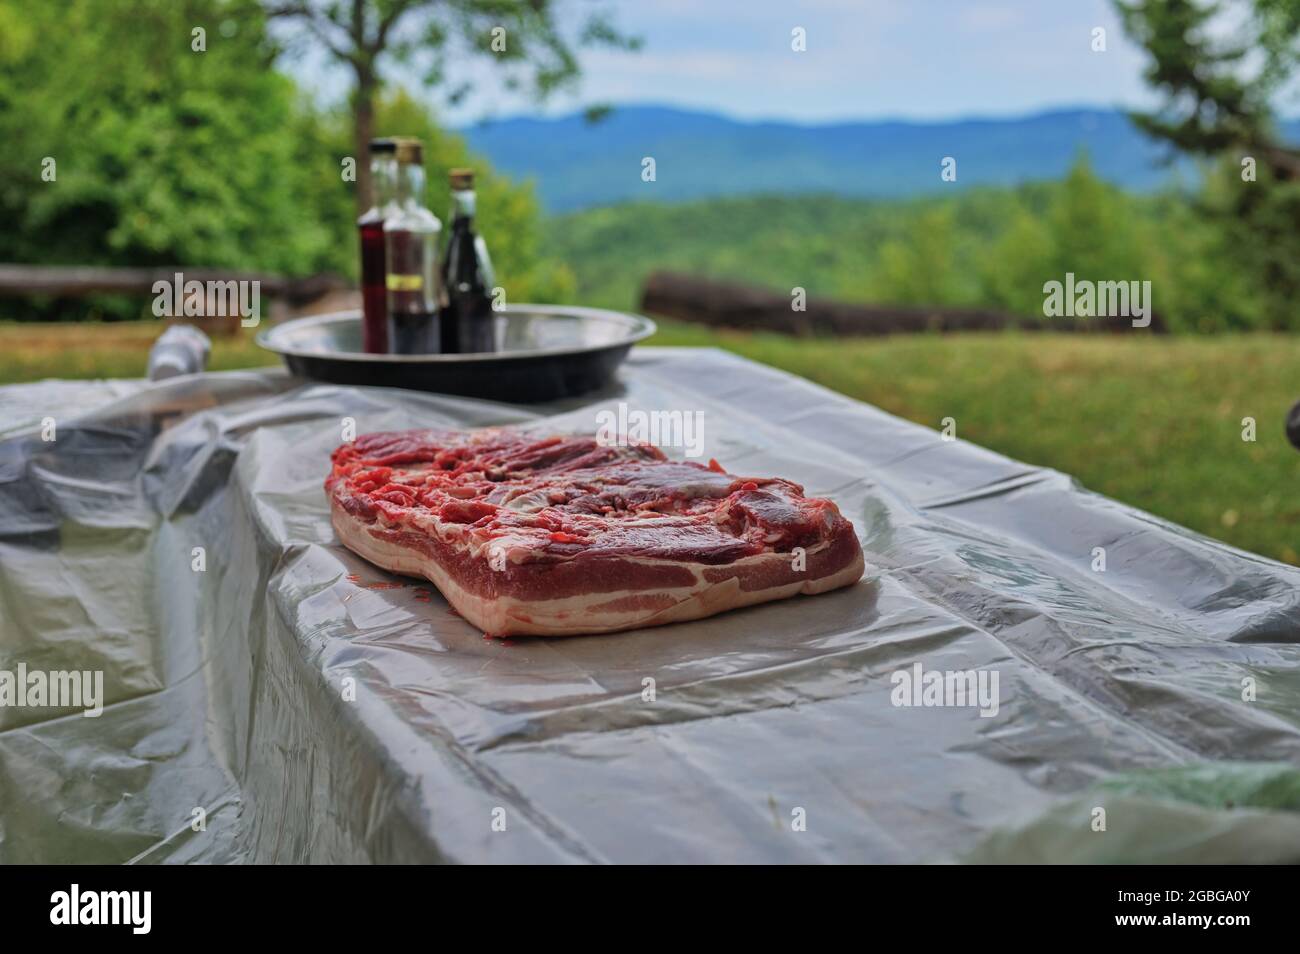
<point>563,535</point>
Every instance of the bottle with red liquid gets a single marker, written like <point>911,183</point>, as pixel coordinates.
<point>411,247</point>
<point>374,291</point>
<point>467,322</point>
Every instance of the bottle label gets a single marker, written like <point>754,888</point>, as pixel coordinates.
<point>405,283</point>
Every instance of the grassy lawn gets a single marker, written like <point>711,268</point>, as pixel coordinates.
<point>1152,422</point>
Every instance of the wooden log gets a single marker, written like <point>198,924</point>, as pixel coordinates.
<point>728,305</point>
<point>75,281</point>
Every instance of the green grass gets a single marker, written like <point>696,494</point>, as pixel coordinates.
<point>30,352</point>
<point>1154,422</point>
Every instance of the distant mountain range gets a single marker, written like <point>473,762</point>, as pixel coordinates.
<point>577,164</point>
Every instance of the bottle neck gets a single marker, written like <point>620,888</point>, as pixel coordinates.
<point>383,175</point>
<point>462,205</point>
<point>409,184</point>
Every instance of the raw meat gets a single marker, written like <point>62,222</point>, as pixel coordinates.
<point>564,535</point>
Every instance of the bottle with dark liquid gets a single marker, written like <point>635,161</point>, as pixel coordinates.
<point>467,323</point>
<point>410,246</point>
<point>374,292</point>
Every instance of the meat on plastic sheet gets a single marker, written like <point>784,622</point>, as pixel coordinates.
<point>268,696</point>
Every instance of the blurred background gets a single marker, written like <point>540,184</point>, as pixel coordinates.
<point>794,146</point>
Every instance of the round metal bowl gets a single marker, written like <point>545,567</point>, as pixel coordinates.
<point>543,352</point>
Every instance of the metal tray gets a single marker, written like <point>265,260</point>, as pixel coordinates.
<point>543,353</point>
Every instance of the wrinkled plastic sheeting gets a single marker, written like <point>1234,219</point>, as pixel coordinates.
<point>318,709</point>
<point>1216,812</point>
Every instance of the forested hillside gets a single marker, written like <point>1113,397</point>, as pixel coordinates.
<point>578,164</point>
<point>987,246</point>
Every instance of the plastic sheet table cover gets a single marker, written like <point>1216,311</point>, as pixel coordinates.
<point>283,701</point>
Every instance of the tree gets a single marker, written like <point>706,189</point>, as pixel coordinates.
<point>1222,66</point>
<point>198,154</point>
<point>127,140</point>
<point>1219,92</point>
<point>917,269</point>
<point>521,36</point>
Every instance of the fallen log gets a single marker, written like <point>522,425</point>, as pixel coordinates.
<point>729,305</point>
<point>75,280</point>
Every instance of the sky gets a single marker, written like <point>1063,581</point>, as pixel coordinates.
<point>865,59</point>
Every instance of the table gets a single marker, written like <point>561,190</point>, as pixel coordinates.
<point>271,697</point>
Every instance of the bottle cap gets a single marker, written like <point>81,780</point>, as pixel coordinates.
<point>409,150</point>
<point>461,179</point>
<point>383,147</point>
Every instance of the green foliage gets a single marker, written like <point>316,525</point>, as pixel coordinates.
<point>1017,264</point>
<point>1219,93</point>
<point>987,247</point>
<point>821,243</point>
<point>166,155</point>
<point>1256,226</point>
<point>163,154</point>
<point>1219,90</point>
<point>918,269</point>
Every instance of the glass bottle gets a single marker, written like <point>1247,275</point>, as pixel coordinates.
<point>411,234</point>
<point>467,321</point>
<point>374,292</point>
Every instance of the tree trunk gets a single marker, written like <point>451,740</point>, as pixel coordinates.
<point>363,130</point>
<point>75,281</point>
<point>726,305</point>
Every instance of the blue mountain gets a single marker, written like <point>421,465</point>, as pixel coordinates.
<point>577,163</point>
